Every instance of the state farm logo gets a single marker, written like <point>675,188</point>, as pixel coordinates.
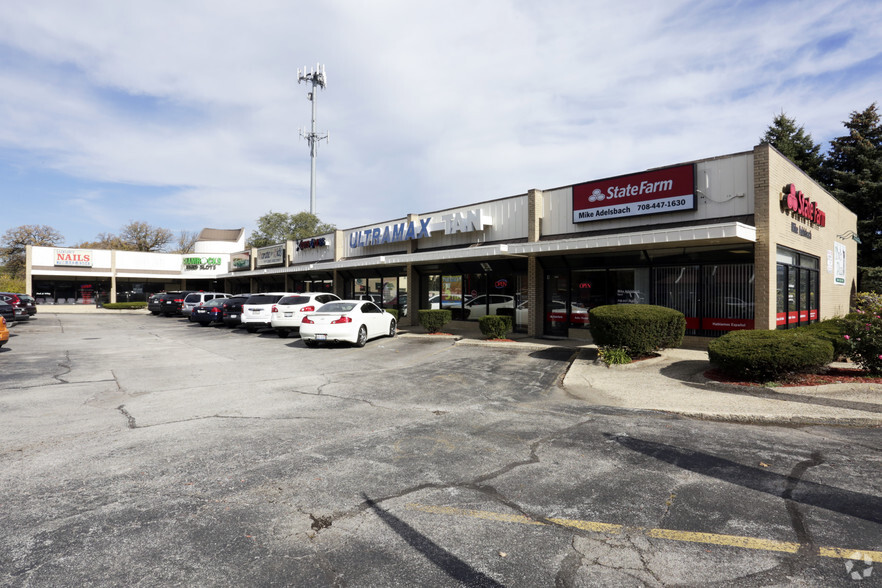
<point>793,200</point>
<point>596,195</point>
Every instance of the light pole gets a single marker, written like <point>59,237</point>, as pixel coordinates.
<point>318,78</point>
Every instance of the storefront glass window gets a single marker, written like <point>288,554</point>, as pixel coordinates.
<point>630,286</point>
<point>798,276</point>
<point>588,290</point>
<point>679,288</point>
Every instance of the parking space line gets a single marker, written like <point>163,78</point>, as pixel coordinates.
<point>669,534</point>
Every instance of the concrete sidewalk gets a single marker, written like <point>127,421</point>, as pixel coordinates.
<point>674,382</point>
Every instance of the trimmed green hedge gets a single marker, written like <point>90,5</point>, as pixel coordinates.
<point>124,305</point>
<point>393,312</point>
<point>832,330</point>
<point>494,326</point>
<point>641,328</point>
<point>432,320</point>
<point>765,356</point>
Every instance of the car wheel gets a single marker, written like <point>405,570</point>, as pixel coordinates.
<point>392,328</point>
<point>283,333</point>
<point>251,329</point>
<point>310,343</point>
<point>154,312</point>
<point>362,336</point>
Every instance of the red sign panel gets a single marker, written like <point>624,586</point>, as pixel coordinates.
<point>670,189</point>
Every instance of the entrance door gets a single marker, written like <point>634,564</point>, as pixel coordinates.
<point>555,321</point>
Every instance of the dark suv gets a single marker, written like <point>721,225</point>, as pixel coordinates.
<point>22,305</point>
<point>167,303</point>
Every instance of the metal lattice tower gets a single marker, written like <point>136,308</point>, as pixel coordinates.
<point>318,78</point>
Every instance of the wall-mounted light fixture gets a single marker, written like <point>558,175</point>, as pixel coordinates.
<point>848,234</point>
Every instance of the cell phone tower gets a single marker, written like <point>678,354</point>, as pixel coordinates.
<point>318,78</point>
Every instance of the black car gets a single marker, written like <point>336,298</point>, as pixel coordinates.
<point>173,301</point>
<point>233,309</point>
<point>210,312</point>
<point>23,306</point>
<point>154,303</point>
<point>7,312</point>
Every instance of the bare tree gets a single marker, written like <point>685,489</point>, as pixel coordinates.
<point>15,241</point>
<point>186,241</point>
<point>140,236</point>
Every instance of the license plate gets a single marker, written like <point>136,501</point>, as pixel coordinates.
<point>256,310</point>
<point>234,316</point>
<point>321,337</point>
<point>289,314</point>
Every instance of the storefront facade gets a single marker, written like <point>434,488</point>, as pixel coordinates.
<point>742,241</point>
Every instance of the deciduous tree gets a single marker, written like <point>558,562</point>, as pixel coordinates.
<point>15,241</point>
<point>278,227</point>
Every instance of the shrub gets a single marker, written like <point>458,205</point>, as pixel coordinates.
<point>124,305</point>
<point>867,303</point>
<point>764,356</point>
<point>832,330</point>
<point>433,320</point>
<point>613,355</point>
<point>641,328</point>
<point>494,326</point>
<point>863,337</point>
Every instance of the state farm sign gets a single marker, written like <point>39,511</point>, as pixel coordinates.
<point>665,190</point>
<point>73,257</point>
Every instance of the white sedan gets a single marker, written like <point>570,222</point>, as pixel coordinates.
<point>354,321</point>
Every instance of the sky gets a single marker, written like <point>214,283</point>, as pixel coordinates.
<point>188,114</point>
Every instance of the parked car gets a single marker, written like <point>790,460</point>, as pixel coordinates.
<point>232,309</point>
<point>195,299</point>
<point>154,303</point>
<point>209,312</point>
<point>257,310</point>
<point>354,321</point>
<point>4,332</point>
<point>173,301</point>
<point>6,311</point>
<point>289,311</point>
<point>477,306</point>
<point>23,306</point>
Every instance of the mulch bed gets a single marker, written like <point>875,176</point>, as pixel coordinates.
<point>831,376</point>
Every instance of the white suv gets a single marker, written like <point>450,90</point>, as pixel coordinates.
<point>256,311</point>
<point>195,299</point>
<point>288,312</point>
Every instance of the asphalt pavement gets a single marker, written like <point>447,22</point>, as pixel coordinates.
<point>675,382</point>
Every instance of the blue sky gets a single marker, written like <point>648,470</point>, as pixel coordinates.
<point>186,113</point>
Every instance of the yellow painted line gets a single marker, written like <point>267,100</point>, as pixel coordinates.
<point>669,534</point>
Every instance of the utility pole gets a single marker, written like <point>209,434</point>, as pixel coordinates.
<point>318,78</point>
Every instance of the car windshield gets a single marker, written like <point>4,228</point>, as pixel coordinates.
<point>294,300</point>
<point>337,307</point>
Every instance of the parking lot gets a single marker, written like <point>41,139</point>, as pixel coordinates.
<point>147,451</point>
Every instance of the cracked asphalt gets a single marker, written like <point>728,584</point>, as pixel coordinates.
<point>145,451</point>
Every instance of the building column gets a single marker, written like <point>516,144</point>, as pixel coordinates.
<point>535,273</point>
<point>112,276</point>
<point>764,262</point>
<point>413,298</point>
<point>29,286</point>
<point>338,284</point>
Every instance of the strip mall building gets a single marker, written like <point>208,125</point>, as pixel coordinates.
<point>741,241</point>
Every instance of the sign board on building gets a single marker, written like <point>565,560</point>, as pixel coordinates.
<point>671,189</point>
<point>272,255</point>
<point>240,261</point>
<point>192,262</point>
<point>456,222</point>
<point>839,263</point>
<point>73,257</point>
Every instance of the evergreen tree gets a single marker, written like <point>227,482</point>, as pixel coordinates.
<point>795,144</point>
<point>853,172</point>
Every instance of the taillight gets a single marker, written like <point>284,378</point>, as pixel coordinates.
<point>308,309</point>
<point>181,300</point>
<point>341,320</point>
<point>307,321</point>
<point>275,308</point>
